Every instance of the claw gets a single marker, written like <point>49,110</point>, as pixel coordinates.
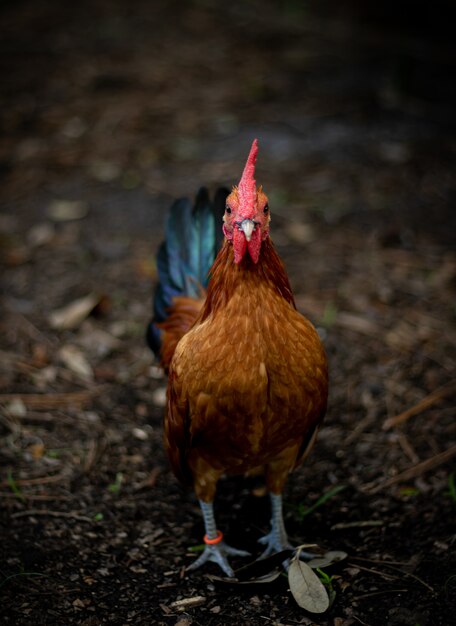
<point>217,554</point>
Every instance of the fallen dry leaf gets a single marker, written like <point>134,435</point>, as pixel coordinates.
<point>67,210</point>
<point>327,559</point>
<point>41,234</point>
<point>16,408</point>
<point>73,314</point>
<point>75,361</point>
<point>97,342</point>
<point>305,586</point>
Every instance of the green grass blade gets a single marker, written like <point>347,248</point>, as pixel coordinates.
<point>12,484</point>
<point>305,511</point>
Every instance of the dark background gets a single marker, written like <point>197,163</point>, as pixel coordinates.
<point>109,111</point>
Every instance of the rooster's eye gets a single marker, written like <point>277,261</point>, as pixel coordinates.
<point>228,209</point>
<point>266,209</point>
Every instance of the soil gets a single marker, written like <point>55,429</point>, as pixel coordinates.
<point>110,110</point>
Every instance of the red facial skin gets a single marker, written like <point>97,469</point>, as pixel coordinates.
<point>246,202</point>
<point>235,213</point>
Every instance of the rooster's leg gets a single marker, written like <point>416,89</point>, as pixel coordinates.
<point>217,551</point>
<point>277,539</point>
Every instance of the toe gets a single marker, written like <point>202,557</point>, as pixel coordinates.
<point>217,554</point>
<point>235,552</point>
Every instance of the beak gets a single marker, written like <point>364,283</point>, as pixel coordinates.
<point>247,226</point>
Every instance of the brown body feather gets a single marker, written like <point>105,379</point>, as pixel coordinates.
<point>248,382</point>
<point>181,318</point>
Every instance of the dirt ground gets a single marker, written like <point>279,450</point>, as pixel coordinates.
<point>110,110</point>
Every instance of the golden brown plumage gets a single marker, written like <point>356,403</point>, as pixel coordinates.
<point>248,382</point>
<point>180,319</point>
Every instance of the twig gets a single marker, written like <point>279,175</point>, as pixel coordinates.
<point>359,428</point>
<point>377,573</point>
<point>52,400</point>
<point>33,330</point>
<point>416,470</point>
<point>69,515</point>
<point>42,480</point>
<point>414,576</point>
<point>20,574</point>
<point>13,361</point>
<point>357,323</point>
<point>361,524</point>
<point>151,480</point>
<point>45,418</point>
<point>188,603</point>
<point>378,593</point>
<point>407,447</point>
<point>429,400</point>
<point>95,451</point>
<point>39,498</point>
<point>378,561</point>
<point>392,565</point>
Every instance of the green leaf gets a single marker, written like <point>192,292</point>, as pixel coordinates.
<point>451,488</point>
<point>198,548</point>
<point>115,486</point>
<point>329,315</point>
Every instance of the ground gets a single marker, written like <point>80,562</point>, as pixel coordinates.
<point>110,110</point>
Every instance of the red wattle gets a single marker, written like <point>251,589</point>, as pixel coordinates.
<point>254,245</point>
<point>239,245</point>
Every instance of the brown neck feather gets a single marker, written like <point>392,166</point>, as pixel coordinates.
<point>225,275</point>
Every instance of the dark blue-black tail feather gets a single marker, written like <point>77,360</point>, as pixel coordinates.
<point>193,236</point>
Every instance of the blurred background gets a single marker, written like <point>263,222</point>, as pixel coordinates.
<point>109,111</point>
<point>353,103</point>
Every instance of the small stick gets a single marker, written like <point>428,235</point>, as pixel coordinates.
<point>379,593</point>
<point>391,565</point>
<point>48,400</point>
<point>40,498</point>
<point>429,400</point>
<point>376,572</point>
<point>361,524</point>
<point>32,512</point>
<point>187,603</point>
<point>407,447</point>
<point>416,470</point>
<point>414,576</point>
<point>377,561</point>
<point>43,480</point>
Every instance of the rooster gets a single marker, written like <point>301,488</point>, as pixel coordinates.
<point>247,383</point>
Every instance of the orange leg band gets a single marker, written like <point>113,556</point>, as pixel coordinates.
<point>213,542</point>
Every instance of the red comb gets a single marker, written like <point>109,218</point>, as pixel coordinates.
<point>247,184</point>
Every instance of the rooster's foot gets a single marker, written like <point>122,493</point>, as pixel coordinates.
<point>275,542</point>
<point>216,549</point>
<point>218,553</point>
<point>277,539</point>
